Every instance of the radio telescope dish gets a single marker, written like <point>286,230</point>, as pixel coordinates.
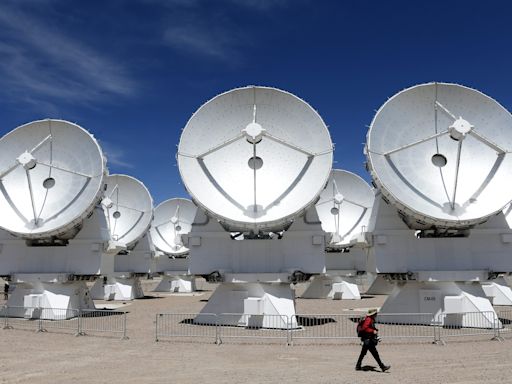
<point>441,154</point>
<point>128,207</point>
<point>51,177</point>
<point>344,206</point>
<point>173,218</point>
<point>255,158</point>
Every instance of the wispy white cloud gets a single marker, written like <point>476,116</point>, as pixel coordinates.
<point>197,39</point>
<point>40,62</point>
<point>115,155</point>
<point>198,29</point>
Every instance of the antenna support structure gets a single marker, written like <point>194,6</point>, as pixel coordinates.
<point>264,158</point>
<point>128,210</point>
<point>172,222</point>
<point>53,233</point>
<point>439,155</point>
<point>344,208</point>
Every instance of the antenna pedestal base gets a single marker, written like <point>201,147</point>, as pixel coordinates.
<point>175,275</point>
<point>333,286</point>
<point>176,282</point>
<point>379,285</point>
<point>342,280</point>
<point>452,304</point>
<point>498,291</point>
<point>47,296</point>
<point>119,287</point>
<point>258,305</point>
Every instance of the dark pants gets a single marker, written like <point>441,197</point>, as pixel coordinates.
<point>369,345</point>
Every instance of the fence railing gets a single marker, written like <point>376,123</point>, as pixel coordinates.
<point>230,327</point>
<point>407,326</point>
<point>181,325</point>
<point>101,321</point>
<point>325,328</point>
<point>322,328</point>
<point>268,328</point>
<point>467,324</point>
<point>76,321</point>
<point>505,319</point>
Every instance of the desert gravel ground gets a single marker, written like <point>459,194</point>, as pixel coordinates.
<point>62,358</point>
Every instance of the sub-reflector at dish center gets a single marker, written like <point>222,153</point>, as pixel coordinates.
<point>255,158</point>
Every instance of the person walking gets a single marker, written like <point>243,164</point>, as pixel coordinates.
<point>369,338</point>
<point>6,290</point>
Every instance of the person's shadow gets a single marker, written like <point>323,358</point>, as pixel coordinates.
<point>371,368</point>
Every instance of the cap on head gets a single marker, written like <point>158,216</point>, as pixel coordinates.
<point>372,312</point>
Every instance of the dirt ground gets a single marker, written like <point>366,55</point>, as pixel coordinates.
<point>62,358</point>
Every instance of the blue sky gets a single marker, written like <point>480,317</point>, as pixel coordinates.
<point>132,72</point>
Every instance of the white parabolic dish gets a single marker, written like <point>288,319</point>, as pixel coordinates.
<point>345,206</point>
<point>173,218</point>
<point>51,177</point>
<point>255,158</point>
<point>128,207</point>
<point>441,154</point>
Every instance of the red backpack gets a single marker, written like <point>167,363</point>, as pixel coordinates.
<point>359,328</point>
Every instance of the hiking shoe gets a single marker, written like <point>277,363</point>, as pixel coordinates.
<point>385,368</point>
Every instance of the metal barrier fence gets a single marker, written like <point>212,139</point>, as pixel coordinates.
<point>505,318</point>
<point>405,326</point>
<point>227,327</point>
<point>101,321</point>
<point>22,318</point>
<point>59,320</point>
<point>75,321</point>
<point>325,328</point>
<point>321,328</point>
<point>342,327</point>
<point>220,328</point>
<point>270,328</point>
<point>40,319</point>
<point>182,325</point>
<point>467,324</point>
